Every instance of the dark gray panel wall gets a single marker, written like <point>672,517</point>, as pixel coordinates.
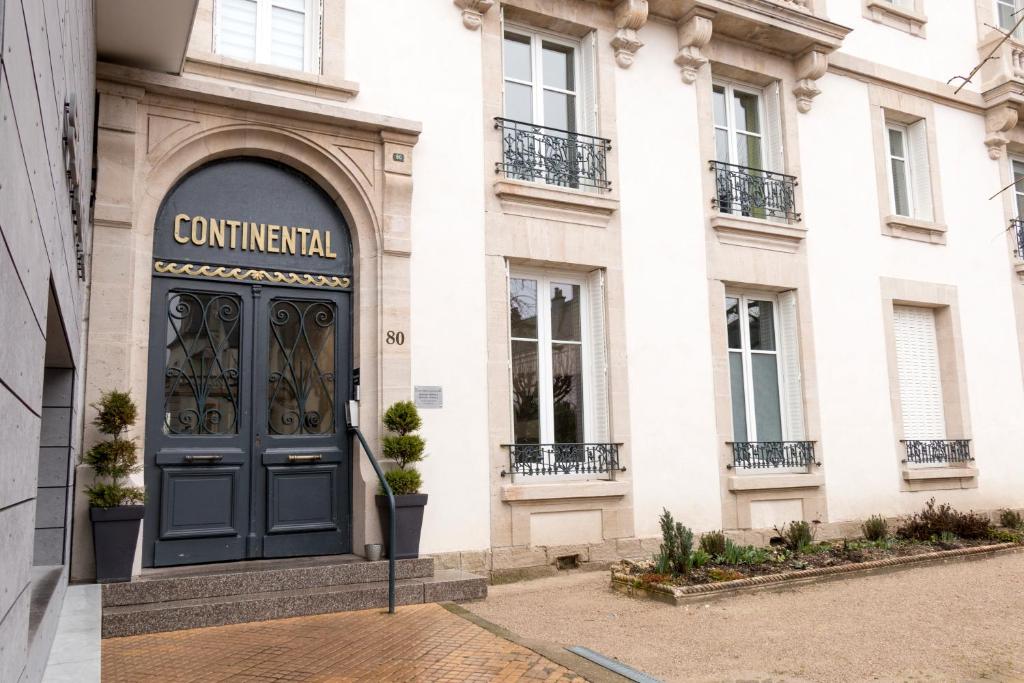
<point>47,54</point>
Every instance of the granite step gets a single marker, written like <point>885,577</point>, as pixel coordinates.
<point>448,585</point>
<point>261,576</point>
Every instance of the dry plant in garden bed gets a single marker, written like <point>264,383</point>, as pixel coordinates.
<point>936,531</point>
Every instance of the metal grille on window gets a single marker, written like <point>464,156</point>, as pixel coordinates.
<point>202,363</point>
<point>300,391</point>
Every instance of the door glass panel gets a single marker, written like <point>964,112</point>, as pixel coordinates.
<point>746,115</point>
<point>518,102</point>
<point>762,325</point>
<point>523,307</point>
<point>201,363</point>
<point>301,367</point>
<point>748,151</point>
<point>517,57</point>
<point>718,99</point>
<point>558,67</point>
<point>525,392</point>
<point>739,397</point>
<point>767,414</point>
<point>559,110</point>
<point>1018,180</point>
<point>567,391</point>
<point>565,312</point>
<point>732,322</point>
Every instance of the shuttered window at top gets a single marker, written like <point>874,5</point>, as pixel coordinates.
<point>920,380</point>
<point>282,33</point>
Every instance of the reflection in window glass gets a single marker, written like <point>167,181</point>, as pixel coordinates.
<point>523,308</point>
<point>762,325</point>
<point>565,312</point>
<point>525,392</point>
<point>567,392</point>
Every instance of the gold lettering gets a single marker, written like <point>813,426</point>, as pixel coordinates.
<point>245,238</point>
<point>256,237</point>
<point>302,233</point>
<point>199,231</point>
<point>327,245</point>
<point>234,225</point>
<point>287,240</point>
<point>178,237</point>
<point>273,234</point>
<point>217,233</point>
<point>315,247</point>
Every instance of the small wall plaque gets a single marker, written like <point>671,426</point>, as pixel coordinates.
<point>398,156</point>
<point>429,397</point>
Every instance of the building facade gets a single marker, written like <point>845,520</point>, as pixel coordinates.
<point>733,258</point>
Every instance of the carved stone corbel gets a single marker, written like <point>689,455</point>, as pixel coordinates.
<point>630,16</point>
<point>473,12</point>
<point>998,122</point>
<point>694,31</point>
<point>810,66</point>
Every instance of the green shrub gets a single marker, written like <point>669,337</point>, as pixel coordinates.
<point>116,458</point>
<point>797,536</point>
<point>404,449</point>
<point>403,482</point>
<point>1011,519</point>
<point>699,558</point>
<point>713,543</point>
<point>875,528</point>
<point>402,418</point>
<point>735,554</point>
<point>1006,535</point>
<point>675,555</point>
<point>935,521</point>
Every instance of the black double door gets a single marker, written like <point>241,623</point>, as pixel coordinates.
<point>245,452</point>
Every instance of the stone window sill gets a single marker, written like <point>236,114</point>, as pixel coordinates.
<point>524,493</point>
<point>914,229</point>
<point>763,482</point>
<point>271,77</point>
<point>537,200</point>
<point>754,232</point>
<point>932,473</point>
<point>909,20</point>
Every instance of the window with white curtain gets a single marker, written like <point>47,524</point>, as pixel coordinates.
<point>764,366</point>
<point>918,371</point>
<point>283,33</point>
<point>558,372</point>
<point>908,169</point>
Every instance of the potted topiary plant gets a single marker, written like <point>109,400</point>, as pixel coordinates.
<point>115,508</point>
<point>404,448</point>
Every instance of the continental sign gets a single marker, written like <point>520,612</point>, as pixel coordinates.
<point>266,238</point>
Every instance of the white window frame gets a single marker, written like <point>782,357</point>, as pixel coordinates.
<point>537,38</point>
<point>908,167</point>
<point>730,121</point>
<point>1018,188</point>
<point>1015,4</point>
<point>311,59</point>
<point>744,296</point>
<point>544,279</point>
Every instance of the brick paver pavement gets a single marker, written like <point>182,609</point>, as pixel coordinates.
<point>418,643</point>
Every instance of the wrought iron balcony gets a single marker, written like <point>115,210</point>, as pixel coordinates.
<point>772,454</point>
<point>553,156</point>
<point>754,192</point>
<point>1017,226</point>
<point>923,452</point>
<point>533,459</point>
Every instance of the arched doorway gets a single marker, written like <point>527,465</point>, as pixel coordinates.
<point>250,364</point>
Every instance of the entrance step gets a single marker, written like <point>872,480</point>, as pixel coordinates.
<point>175,600</point>
<point>260,576</point>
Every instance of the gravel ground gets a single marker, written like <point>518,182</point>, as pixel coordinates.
<point>951,622</point>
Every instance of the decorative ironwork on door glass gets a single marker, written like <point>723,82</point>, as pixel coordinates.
<point>201,364</point>
<point>300,383</point>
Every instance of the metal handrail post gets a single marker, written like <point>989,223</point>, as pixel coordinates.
<point>392,524</point>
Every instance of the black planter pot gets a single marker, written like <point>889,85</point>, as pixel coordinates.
<point>409,523</point>
<point>115,532</point>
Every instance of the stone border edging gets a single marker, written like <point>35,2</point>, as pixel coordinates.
<point>797,574</point>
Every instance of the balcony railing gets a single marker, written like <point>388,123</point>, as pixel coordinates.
<point>754,192</point>
<point>553,156</point>
<point>1017,226</point>
<point>535,459</point>
<point>772,454</point>
<point>941,451</point>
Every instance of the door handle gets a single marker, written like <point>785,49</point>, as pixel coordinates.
<point>203,458</point>
<point>305,458</point>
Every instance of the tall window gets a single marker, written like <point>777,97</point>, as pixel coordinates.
<point>558,373</point>
<point>1017,168</point>
<point>1007,13</point>
<point>542,79</point>
<point>764,367</point>
<point>739,125</point>
<point>920,380</point>
<point>908,169</point>
<point>276,32</point>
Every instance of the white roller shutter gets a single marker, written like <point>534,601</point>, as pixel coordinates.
<point>599,357</point>
<point>920,171</point>
<point>917,363</point>
<point>236,29</point>
<point>792,390</point>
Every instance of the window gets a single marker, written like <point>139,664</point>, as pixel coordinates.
<point>557,344</point>
<point>918,372</point>
<point>1007,13</point>
<point>1017,169</point>
<point>764,367</point>
<point>739,125</point>
<point>908,169</point>
<point>542,79</point>
<point>276,32</point>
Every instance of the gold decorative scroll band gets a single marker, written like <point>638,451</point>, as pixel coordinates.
<point>228,273</point>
